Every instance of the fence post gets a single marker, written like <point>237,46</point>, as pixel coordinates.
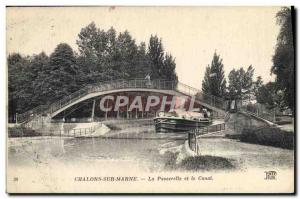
<point>197,149</point>
<point>189,140</point>
<point>196,144</point>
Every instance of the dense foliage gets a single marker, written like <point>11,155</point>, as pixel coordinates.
<point>284,58</point>
<point>240,83</point>
<point>268,94</point>
<point>103,56</point>
<point>214,82</point>
<point>241,86</point>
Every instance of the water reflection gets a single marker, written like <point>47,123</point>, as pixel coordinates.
<point>149,153</point>
<point>28,151</point>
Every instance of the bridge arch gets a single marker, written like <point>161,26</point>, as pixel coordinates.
<point>124,90</point>
<point>103,93</point>
<point>167,87</point>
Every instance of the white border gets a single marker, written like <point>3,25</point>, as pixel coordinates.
<point>154,2</point>
<point>106,3</point>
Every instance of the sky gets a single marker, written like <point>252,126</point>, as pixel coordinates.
<point>242,36</point>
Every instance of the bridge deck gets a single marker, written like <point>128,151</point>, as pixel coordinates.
<point>162,86</point>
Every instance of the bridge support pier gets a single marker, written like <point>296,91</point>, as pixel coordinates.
<point>93,110</point>
<point>127,116</point>
<point>106,111</point>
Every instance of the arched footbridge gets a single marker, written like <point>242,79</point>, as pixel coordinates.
<point>165,87</point>
<point>174,88</point>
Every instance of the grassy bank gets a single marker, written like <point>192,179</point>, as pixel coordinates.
<point>198,163</point>
<point>270,136</point>
<point>20,131</point>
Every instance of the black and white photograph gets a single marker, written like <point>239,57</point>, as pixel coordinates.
<point>150,99</point>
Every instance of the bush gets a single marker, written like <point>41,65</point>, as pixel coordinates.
<point>170,160</point>
<point>270,136</point>
<point>21,131</point>
<point>206,163</point>
<point>251,108</point>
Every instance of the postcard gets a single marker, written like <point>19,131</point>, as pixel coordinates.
<point>119,99</point>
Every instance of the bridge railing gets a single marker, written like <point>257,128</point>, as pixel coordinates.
<point>199,95</point>
<point>31,113</point>
<point>106,86</point>
<point>98,87</point>
<point>195,134</point>
<point>268,115</point>
<point>121,84</point>
<point>78,132</point>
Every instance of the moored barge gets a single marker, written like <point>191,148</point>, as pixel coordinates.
<point>180,122</point>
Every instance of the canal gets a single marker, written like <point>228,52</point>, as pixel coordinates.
<point>50,164</point>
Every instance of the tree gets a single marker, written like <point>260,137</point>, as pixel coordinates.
<point>168,69</point>
<point>108,56</point>
<point>257,84</point>
<point>269,95</point>
<point>59,78</point>
<point>142,63</point>
<point>102,51</point>
<point>124,55</point>
<point>283,59</point>
<point>103,56</point>
<point>214,82</point>
<point>99,55</point>
<point>39,64</point>
<point>18,84</point>
<point>94,45</point>
<point>156,56</point>
<point>89,43</point>
<point>206,80</point>
<point>240,83</point>
<point>162,65</point>
<point>23,73</point>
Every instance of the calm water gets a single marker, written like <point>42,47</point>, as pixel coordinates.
<point>146,153</point>
<point>248,156</point>
<point>143,153</point>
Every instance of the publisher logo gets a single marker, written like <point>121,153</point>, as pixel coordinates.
<point>270,175</point>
